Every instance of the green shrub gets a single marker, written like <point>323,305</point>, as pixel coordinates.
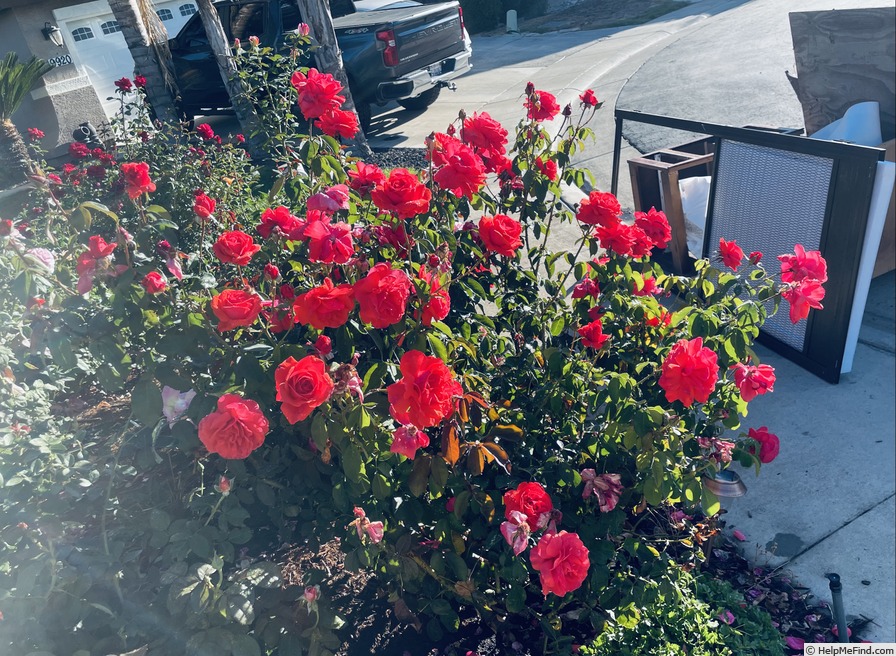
<point>481,15</point>
<point>525,8</point>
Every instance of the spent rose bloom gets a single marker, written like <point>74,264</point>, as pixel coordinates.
<point>516,532</point>
<point>689,372</point>
<point>325,306</point>
<point>406,440</point>
<point>561,561</point>
<point>96,262</point>
<point>318,92</point>
<point>41,260</point>
<point>235,308</point>
<point>606,488</point>
<point>753,381</point>
<point>382,295</point>
<point>175,403</point>
<point>235,247</point>
<point>500,234</point>
<point>530,500</point>
<point>732,254</point>
<point>403,194</point>
<point>769,444</point>
<point>373,530</point>
<point>235,429</point>
<point>600,208</point>
<point>426,393</point>
<point>331,199</point>
<point>302,385</point>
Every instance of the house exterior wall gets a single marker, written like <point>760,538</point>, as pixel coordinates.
<point>64,97</point>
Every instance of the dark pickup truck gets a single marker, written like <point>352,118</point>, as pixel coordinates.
<point>405,52</point>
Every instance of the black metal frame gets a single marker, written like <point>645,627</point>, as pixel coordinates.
<point>842,236</point>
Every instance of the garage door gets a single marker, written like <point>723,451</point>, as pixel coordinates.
<point>94,39</point>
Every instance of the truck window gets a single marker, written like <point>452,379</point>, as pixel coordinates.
<point>289,16</point>
<point>341,8</point>
<point>246,20</point>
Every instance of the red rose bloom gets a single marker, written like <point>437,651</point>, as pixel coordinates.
<point>139,81</point>
<point>561,561</point>
<point>754,381</point>
<point>35,134</point>
<point>383,295</point>
<point>655,226</point>
<point>235,247</point>
<point>531,500</point>
<point>235,429</point>
<point>302,386</point>
<point>589,99</point>
<point>205,131</point>
<point>617,237</point>
<point>769,444</point>
<point>600,208</point>
<point>154,283</point>
<point>426,393</point>
<point>403,194</point>
<point>439,303</point>
<point>648,288</point>
<point>235,308</point>
<point>459,169</point>
<point>541,106</point>
<point>318,93</point>
<point>326,306</point>
<point>731,253</point>
<point>802,296</point>
<point>328,242</point>
<point>203,206</point>
<point>365,178</point>
<point>78,150</point>
<point>280,218</point>
<point>801,265</point>
<point>690,372</point>
<point>500,234</point>
<point>136,179</point>
<point>338,123</point>
<point>548,168</point>
<point>124,84</point>
<point>593,335</point>
<point>484,133</point>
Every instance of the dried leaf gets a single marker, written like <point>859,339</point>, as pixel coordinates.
<point>450,444</point>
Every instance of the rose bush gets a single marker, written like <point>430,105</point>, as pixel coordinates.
<point>408,361</point>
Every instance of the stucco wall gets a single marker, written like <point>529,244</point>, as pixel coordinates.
<point>63,98</point>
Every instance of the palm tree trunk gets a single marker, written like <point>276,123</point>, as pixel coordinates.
<point>239,95</point>
<point>316,14</point>
<point>15,163</point>
<point>147,40</point>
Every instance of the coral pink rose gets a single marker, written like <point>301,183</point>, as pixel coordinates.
<point>754,381</point>
<point>532,501</point>
<point>383,295</point>
<point>136,179</point>
<point>302,386</point>
<point>561,560</point>
<point>407,440</point>
<point>235,308</point>
<point>338,123</point>
<point>326,306</point>
<point>500,234</point>
<point>689,372</point>
<point>329,243</point>
<point>600,208</point>
<point>403,194</point>
<point>235,429</point>
<point>235,247</point>
<point>803,264</point>
<point>769,444</point>
<point>732,254</point>
<point>426,393</point>
<point>805,294</point>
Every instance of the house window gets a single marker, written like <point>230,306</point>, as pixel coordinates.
<point>110,27</point>
<point>187,10</point>
<point>82,34</point>
<point>165,14</point>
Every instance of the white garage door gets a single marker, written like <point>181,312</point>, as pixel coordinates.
<point>94,39</point>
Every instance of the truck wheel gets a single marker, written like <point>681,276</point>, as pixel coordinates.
<point>422,101</point>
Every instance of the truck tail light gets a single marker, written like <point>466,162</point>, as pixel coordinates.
<point>463,29</point>
<point>390,49</point>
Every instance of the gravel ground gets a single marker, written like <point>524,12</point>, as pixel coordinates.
<point>407,158</point>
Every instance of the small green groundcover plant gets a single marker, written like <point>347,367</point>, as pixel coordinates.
<point>408,361</point>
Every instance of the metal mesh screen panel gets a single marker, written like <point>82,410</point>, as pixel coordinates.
<point>768,200</point>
